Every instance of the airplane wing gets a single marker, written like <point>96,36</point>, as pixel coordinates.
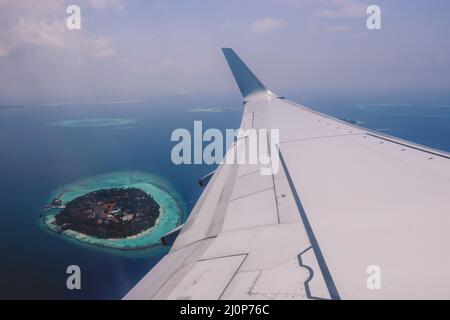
<point>350,214</point>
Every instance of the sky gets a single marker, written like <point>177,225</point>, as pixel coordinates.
<point>135,49</point>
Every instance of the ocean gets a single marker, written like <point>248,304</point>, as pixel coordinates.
<point>43,149</point>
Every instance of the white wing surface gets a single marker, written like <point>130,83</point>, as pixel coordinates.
<point>350,214</point>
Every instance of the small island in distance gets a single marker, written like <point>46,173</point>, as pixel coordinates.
<point>13,107</point>
<point>211,110</point>
<point>114,213</point>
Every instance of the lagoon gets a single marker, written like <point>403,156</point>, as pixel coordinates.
<point>171,207</point>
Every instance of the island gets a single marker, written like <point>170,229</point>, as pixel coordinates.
<point>211,110</point>
<point>128,211</point>
<point>114,213</point>
<point>351,121</point>
<point>13,107</point>
<point>94,122</point>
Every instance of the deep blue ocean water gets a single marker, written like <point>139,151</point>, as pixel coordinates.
<point>37,158</point>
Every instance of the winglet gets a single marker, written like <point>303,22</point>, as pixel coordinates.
<point>248,83</point>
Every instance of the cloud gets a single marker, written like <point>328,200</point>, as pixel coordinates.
<point>28,24</point>
<point>267,24</point>
<point>342,9</point>
<point>103,47</point>
<point>105,4</point>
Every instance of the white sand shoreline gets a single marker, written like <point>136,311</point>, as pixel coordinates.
<point>171,210</point>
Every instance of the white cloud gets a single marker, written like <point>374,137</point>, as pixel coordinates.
<point>103,47</point>
<point>28,24</point>
<point>105,4</point>
<point>342,9</point>
<point>267,24</point>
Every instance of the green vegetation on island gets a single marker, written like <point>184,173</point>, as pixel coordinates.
<point>109,213</point>
<point>122,231</point>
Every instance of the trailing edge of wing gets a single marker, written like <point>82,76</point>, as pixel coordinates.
<point>248,83</point>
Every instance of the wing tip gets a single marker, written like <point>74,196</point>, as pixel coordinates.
<point>246,80</point>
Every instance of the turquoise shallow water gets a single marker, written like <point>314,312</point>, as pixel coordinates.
<point>104,122</point>
<point>171,215</point>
